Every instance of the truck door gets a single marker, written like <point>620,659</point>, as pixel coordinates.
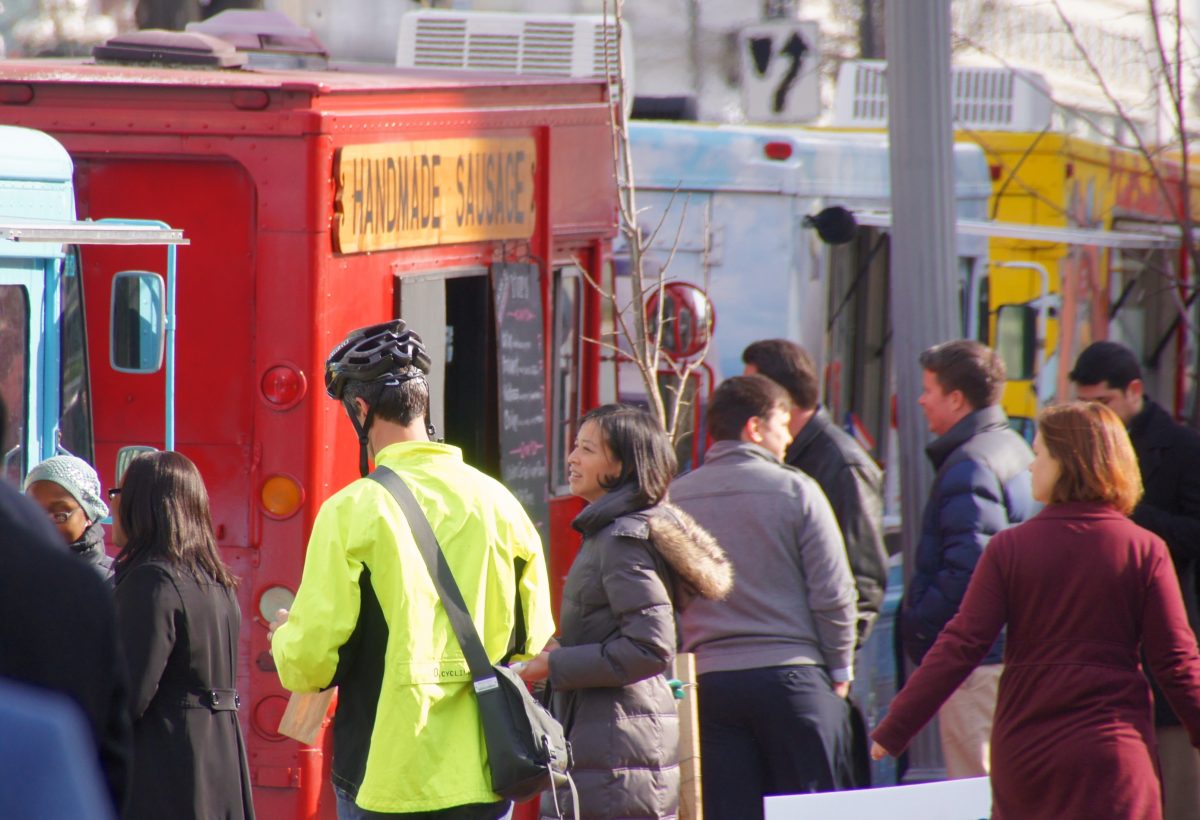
<point>484,330</point>
<point>1153,313</point>
<point>450,310</point>
<point>859,332</point>
<point>1025,335</point>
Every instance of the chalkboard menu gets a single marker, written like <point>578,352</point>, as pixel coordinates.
<point>520,349</point>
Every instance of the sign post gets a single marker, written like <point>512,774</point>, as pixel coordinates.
<point>924,266</point>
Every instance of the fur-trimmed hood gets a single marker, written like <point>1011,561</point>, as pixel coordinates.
<point>694,555</point>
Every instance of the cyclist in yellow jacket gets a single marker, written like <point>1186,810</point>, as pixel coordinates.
<point>407,737</point>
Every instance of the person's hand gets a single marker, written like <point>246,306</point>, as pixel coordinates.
<point>535,669</point>
<point>281,616</point>
<point>878,752</point>
<point>842,689</point>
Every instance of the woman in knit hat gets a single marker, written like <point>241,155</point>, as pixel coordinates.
<point>68,489</point>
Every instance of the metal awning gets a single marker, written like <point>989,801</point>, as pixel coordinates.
<point>89,233</point>
<point>1166,237</point>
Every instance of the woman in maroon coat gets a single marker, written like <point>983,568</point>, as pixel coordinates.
<point>1082,590</point>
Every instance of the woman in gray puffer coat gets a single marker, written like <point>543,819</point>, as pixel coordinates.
<point>641,559</point>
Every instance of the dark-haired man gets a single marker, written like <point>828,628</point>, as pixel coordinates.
<point>851,480</point>
<point>1168,455</point>
<point>407,736</point>
<point>775,658</point>
<point>982,486</point>
<point>58,632</point>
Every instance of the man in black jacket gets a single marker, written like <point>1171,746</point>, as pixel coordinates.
<point>58,629</point>
<point>1169,458</point>
<point>851,480</point>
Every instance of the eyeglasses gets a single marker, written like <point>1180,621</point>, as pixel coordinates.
<point>113,492</point>
<point>62,516</point>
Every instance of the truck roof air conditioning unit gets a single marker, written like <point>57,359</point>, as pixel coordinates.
<point>983,98</point>
<point>547,45</point>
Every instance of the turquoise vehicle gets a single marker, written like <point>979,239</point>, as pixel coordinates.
<point>44,360</point>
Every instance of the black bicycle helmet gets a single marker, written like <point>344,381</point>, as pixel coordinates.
<point>376,353</point>
<point>388,355</point>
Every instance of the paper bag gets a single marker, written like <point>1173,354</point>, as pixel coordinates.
<point>304,715</point>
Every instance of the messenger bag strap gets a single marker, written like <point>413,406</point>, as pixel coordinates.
<point>443,579</point>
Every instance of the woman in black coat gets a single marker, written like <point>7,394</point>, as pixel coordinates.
<point>178,620</point>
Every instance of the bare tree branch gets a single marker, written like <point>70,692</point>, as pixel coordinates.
<point>663,218</point>
<point>641,334</point>
<point>690,365</point>
<point>1118,107</point>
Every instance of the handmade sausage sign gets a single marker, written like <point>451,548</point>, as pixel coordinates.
<point>436,192</point>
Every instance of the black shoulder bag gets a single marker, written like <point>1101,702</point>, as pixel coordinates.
<point>527,750</point>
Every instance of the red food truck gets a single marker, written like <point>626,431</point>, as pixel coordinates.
<point>318,201</point>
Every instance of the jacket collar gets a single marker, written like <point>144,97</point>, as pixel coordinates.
<point>92,540</point>
<point>982,420</point>
<point>817,425</point>
<point>1152,426</point>
<point>1079,509</point>
<point>407,452</point>
<point>606,509</point>
<point>734,450</point>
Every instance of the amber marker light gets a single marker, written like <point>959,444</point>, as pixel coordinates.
<point>281,496</point>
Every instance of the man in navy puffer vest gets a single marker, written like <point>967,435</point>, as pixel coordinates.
<point>982,486</point>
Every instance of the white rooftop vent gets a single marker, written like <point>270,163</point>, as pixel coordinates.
<point>983,98</point>
<point>549,45</point>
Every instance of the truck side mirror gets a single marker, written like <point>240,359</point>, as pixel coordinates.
<point>688,318</point>
<point>13,466</point>
<point>835,225</point>
<point>137,327</point>
<point>126,455</point>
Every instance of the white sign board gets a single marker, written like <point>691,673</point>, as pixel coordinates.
<point>779,64</point>
<point>950,800</point>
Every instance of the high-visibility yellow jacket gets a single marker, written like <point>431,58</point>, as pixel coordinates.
<point>407,736</point>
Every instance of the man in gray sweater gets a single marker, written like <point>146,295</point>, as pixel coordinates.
<point>775,658</point>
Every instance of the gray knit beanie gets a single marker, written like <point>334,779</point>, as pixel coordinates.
<point>75,476</point>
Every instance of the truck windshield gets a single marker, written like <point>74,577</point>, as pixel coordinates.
<point>14,378</point>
